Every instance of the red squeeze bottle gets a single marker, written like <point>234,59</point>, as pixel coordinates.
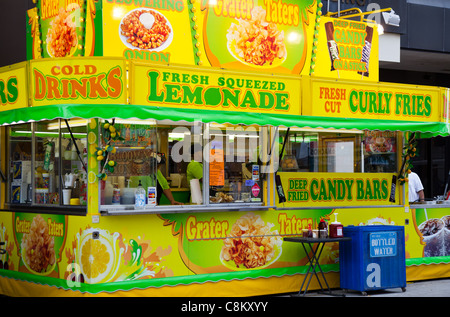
<point>310,233</point>
<point>336,228</point>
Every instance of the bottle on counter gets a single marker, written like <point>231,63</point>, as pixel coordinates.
<point>116,195</point>
<point>127,195</point>
<point>336,228</point>
<point>76,189</point>
<point>310,233</point>
<point>139,197</point>
<point>323,229</point>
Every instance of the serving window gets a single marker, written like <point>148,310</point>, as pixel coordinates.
<point>235,171</point>
<point>307,150</point>
<point>47,164</point>
<point>187,165</point>
<point>135,160</point>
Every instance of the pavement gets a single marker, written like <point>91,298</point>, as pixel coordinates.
<point>426,288</point>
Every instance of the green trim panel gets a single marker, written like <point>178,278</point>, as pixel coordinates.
<point>234,117</point>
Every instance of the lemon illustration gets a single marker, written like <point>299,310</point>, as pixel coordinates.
<point>93,148</point>
<point>93,162</point>
<point>92,137</point>
<point>95,256</point>
<point>91,177</point>
<point>92,124</point>
<point>99,257</point>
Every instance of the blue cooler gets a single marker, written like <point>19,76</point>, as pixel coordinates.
<point>373,259</point>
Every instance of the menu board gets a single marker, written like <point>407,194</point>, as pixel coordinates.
<point>154,31</point>
<point>216,165</point>
<point>380,142</point>
<point>257,35</point>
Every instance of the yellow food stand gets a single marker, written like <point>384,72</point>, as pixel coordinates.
<point>285,106</point>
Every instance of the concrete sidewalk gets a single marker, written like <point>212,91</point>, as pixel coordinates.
<point>427,288</point>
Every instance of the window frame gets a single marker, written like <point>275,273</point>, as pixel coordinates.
<point>207,206</point>
<point>60,208</point>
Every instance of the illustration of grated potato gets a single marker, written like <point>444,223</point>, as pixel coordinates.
<point>257,42</point>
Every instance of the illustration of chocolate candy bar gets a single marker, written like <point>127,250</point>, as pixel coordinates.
<point>332,46</point>
<point>366,50</point>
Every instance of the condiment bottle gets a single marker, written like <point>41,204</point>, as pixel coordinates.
<point>116,195</point>
<point>76,189</point>
<point>336,228</point>
<point>139,197</point>
<point>323,230</point>
<point>305,233</point>
<point>310,233</point>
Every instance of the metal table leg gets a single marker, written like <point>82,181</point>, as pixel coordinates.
<point>313,261</point>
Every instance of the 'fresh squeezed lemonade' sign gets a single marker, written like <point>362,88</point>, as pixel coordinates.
<point>204,89</point>
<point>75,80</point>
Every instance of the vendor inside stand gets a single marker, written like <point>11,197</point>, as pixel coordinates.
<point>415,188</point>
<point>195,167</point>
<point>138,160</point>
<point>162,185</point>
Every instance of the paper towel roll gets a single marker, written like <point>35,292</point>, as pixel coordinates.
<point>196,192</point>
<point>121,181</point>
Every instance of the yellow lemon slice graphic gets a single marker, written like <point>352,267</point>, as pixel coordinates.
<point>96,259</point>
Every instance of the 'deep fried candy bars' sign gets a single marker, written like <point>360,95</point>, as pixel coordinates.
<point>321,188</point>
<point>76,80</point>
<point>347,49</point>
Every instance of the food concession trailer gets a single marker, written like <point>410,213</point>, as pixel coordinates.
<point>292,124</point>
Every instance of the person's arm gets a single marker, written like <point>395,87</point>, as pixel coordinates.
<point>421,195</point>
<point>166,188</point>
<point>169,196</point>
